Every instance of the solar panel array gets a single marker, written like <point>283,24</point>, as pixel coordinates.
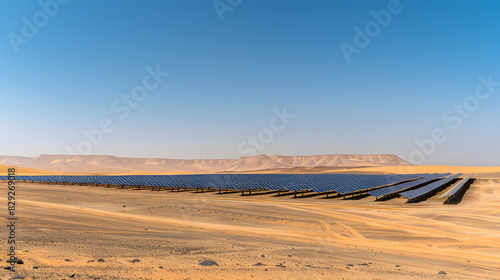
<point>383,192</point>
<point>413,194</point>
<point>457,187</point>
<point>341,183</point>
<point>349,183</point>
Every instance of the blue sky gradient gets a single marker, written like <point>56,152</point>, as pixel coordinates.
<point>227,76</point>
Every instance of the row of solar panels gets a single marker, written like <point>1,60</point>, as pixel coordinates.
<point>340,183</point>
<point>416,189</point>
<point>457,188</point>
<point>429,188</point>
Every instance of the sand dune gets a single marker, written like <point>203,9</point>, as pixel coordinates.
<point>25,171</point>
<point>479,172</point>
<point>122,165</point>
<point>340,160</point>
<point>254,163</point>
<point>14,160</point>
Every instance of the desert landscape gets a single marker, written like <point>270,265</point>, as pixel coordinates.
<point>237,139</point>
<point>95,232</point>
<point>59,164</point>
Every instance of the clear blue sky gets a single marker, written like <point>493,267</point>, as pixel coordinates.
<point>227,76</point>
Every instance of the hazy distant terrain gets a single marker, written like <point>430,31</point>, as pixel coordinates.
<point>112,164</point>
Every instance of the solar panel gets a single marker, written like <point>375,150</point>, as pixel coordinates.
<point>349,183</point>
<point>457,187</point>
<point>413,194</point>
<point>391,190</point>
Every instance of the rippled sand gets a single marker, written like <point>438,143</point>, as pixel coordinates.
<point>65,229</point>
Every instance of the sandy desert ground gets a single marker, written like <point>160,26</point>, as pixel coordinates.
<point>66,230</point>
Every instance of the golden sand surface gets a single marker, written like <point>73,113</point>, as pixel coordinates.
<point>24,171</point>
<point>65,229</point>
<point>479,172</point>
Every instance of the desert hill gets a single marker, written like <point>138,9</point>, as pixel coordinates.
<point>124,165</point>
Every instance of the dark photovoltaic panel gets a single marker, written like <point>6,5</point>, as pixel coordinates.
<point>428,188</point>
<point>457,187</point>
<point>348,183</point>
<point>341,183</point>
<point>378,193</point>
